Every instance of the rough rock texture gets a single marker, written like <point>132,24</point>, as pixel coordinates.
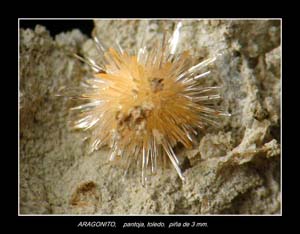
<point>233,170</point>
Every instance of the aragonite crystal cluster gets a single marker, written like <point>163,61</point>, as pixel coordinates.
<point>142,105</point>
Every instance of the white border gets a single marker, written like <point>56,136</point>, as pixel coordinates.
<point>139,215</point>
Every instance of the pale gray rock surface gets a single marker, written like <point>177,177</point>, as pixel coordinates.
<point>234,169</point>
